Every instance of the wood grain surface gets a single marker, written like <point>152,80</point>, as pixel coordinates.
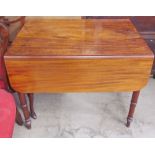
<point>108,37</point>
<point>78,56</point>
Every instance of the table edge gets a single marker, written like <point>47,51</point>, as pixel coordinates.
<point>79,57</point>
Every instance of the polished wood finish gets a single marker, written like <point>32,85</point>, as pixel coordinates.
<point>79,75</point>
<point>105,17</point>
<point>78,56</point>
<point>22,98</point>
<point>31,100</point>
<point>19,119</point>
<point>134,100</point>
<point>145,26</point>
<point>78,38</point>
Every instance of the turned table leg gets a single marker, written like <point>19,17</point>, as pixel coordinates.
<point>23,103</point>
<point>31,99</point>
<point>134,100</point>
<point>19,120</point>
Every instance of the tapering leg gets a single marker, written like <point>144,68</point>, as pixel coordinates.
<point>19,120</point>
<point>31,99</point>
<point>134,100</point>
<point>23,103</point>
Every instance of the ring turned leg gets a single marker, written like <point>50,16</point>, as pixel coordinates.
<point>19,120</point>
<point>23,102</point>
<point>134,100</point>
<point>31,99</point>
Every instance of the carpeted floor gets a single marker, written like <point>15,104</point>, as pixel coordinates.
<point>91,115</point>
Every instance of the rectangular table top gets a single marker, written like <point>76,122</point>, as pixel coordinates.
<point>77,37</point>
<point>78,56</point>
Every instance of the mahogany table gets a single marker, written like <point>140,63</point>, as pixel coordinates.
<point>78,56</point>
